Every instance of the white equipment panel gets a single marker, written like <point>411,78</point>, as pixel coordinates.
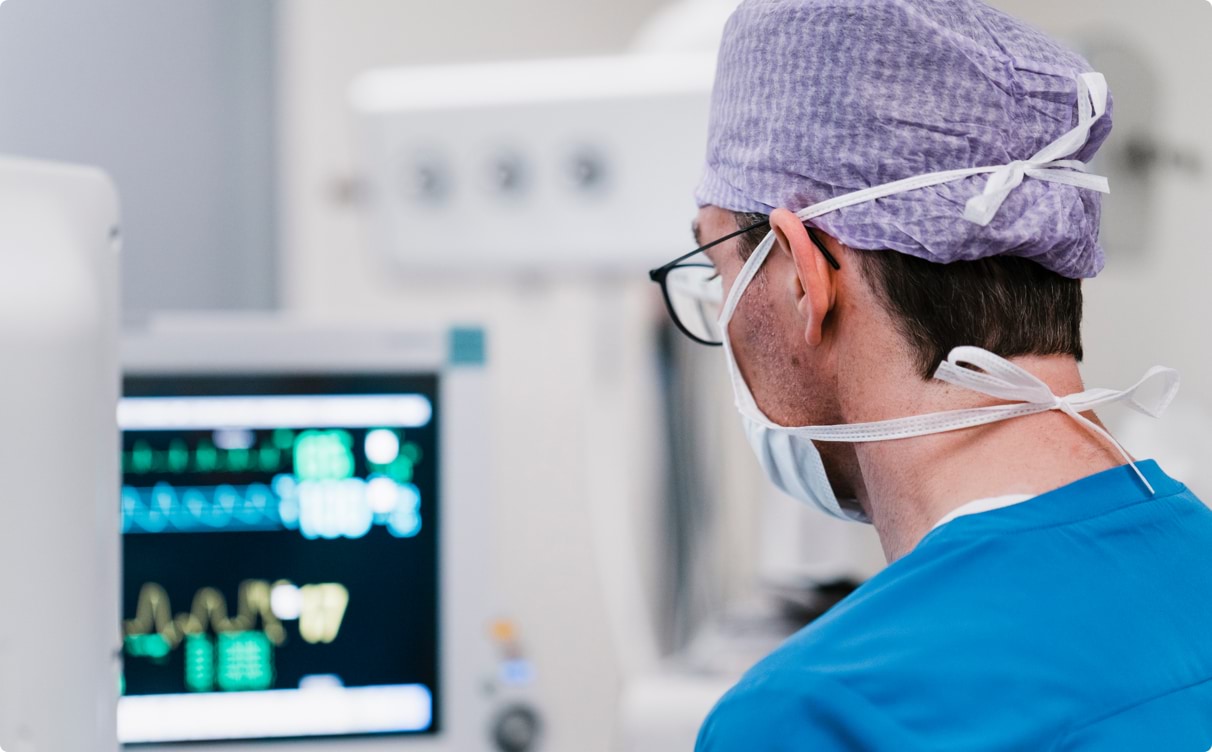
<point>571,165</point>
<point>472,700</point>
<point>58,391</point>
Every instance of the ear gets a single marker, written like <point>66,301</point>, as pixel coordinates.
<point>817,283</point>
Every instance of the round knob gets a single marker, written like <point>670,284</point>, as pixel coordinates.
<point>516,729</point>
<point>425,179</point>
<point>587,170</point>
<point>507,175</point>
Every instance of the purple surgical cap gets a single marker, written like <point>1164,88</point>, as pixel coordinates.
<point>815,99</point>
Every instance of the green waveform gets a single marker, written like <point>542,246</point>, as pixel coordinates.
<point>312,455</point>
<point>244,660</point>
<point>179,458</point>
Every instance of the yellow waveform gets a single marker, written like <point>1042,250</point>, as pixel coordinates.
<point>153,614</point>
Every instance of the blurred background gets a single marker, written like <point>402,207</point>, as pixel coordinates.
<point>514,168</point>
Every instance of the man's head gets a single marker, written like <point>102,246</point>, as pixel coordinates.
<point>937,149</point>
<point>806,335</point>
<point>819,100</point>
<point>1008,305</point>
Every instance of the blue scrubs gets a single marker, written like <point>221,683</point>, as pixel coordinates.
<point>1078,620</point>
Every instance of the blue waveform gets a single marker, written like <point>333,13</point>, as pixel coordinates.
<point>344,508</point>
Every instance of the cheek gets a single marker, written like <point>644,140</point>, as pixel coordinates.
<point>756,342</point>
<point>773,359</point>
<point>761,318</point>
<point>751,319</point>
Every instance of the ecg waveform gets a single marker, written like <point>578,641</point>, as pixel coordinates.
<point>318,608</point>
<point>153,614</point>
<point>239,657</point>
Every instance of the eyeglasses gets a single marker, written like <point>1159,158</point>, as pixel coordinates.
<point>694,292</point>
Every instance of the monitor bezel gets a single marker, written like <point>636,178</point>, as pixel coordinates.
<point>254,345</point>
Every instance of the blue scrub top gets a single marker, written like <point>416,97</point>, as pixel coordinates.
<point>1078,620</point>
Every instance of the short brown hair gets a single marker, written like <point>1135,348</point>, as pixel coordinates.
<point>1005,304</point>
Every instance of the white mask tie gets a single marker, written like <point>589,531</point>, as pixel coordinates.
<point>787,453</point>
<point>1002,379</point>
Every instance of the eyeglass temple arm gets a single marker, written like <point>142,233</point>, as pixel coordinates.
<point>660,271</point>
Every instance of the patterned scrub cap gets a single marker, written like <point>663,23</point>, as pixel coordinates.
<point>982,124</point>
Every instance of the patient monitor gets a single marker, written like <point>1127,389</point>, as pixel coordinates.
<point>305,526</point>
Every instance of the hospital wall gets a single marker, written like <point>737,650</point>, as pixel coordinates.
<point>176,101</point>
<point>1150,303</point>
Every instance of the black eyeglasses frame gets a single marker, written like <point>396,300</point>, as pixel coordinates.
<point>661,273</point>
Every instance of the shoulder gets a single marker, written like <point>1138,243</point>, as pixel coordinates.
<point>804,711</point>
<point>901,646</point>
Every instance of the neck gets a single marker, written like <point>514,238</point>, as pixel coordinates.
<point>908,485</point>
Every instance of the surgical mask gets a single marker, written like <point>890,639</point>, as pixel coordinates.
<point>794,466</point>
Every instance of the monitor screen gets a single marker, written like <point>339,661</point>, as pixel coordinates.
<point>280,556</point>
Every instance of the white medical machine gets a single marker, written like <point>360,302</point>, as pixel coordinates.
<point>578,173</point>
<point>504,166</point>
<point>58,388</point>
<point>525,191</point>
<point>306,518</point>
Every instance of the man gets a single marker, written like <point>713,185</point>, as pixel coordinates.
<point>898,217</point>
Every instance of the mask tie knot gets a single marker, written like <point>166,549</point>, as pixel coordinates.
<point>1000,378</point>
